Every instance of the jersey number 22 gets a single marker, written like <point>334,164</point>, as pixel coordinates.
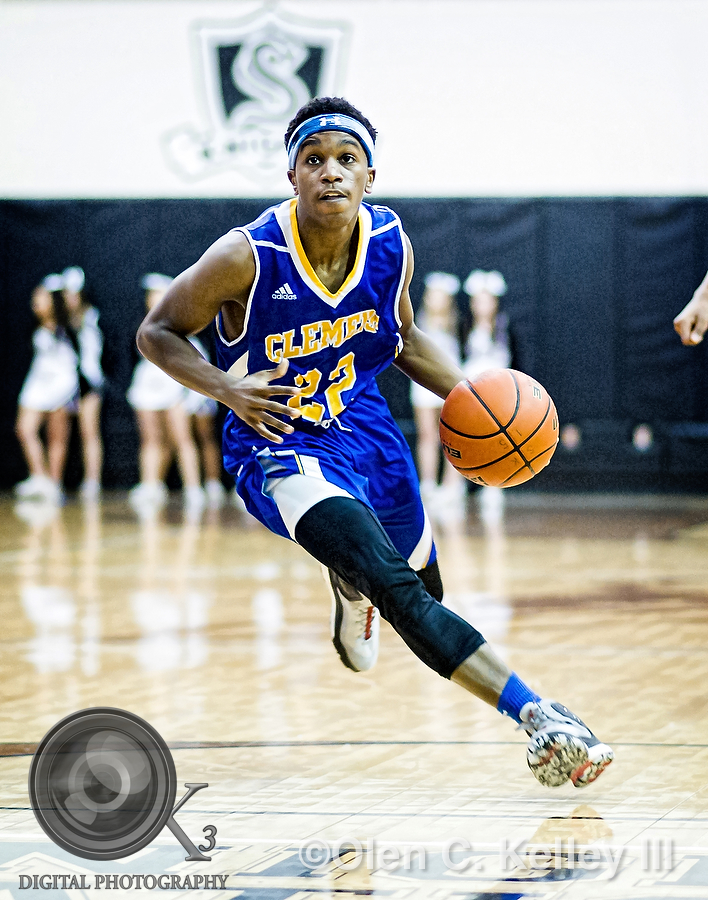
<point>341,378</point>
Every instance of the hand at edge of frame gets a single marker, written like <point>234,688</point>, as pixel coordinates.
<point>691,323</point>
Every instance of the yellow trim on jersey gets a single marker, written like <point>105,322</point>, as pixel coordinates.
<point>306,262</point>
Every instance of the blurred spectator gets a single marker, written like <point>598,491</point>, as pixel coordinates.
<point>89,339</point>
<point>487,346</point>
<point>202,412</point>
<point>163,423</point>
<point>488,343</point>
<point>48,391</point>
<point>438,318</point>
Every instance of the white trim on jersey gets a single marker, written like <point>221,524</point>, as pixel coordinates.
<point>404,268</point>
<point>251,294</point>
<point>384,228</point>
<point>272,246</point>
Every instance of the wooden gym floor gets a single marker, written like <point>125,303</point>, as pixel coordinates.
<point>217,633</point>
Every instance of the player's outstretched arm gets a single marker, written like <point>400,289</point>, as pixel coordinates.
<point>223,275</point>
<point>421,359</point>
<point>692,322</point>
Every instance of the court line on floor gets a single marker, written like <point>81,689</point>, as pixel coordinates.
<point>297,842</point>
<point>407,816</point>
<point>27,749</point>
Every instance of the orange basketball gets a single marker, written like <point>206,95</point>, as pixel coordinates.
<point>499,429</point>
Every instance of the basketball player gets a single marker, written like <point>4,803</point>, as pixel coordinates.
<point>692,322</point>
<point>311,302</point>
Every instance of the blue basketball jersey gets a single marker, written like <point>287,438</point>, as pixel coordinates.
<point>336,343</point>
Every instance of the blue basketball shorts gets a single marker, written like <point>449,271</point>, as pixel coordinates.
<point>361,455</point>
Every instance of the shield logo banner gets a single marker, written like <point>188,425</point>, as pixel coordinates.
<point>255,73</point>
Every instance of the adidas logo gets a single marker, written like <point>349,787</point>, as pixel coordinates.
<point>284,293</point>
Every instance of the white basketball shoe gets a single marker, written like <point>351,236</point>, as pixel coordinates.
<point>355,624</point>
<point>562,748</point>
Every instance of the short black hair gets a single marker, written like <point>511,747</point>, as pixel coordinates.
<point>321,106</point>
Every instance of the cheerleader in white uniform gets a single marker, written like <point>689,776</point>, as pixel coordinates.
<point>51,385</point>
<point>163,423</point>
<point>488,346</point>
<point>437,317</point>
<point>84,320</point>
<point>202,411</point>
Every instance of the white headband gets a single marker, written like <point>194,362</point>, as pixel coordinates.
<point>492,282</point>
<point>53,283</point>
<point>330,122</point>
<point>74,279</point>
<point>154,281</point>
<point>443,281</point>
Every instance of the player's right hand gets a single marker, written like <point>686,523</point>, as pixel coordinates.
<point>691,323</point>
<point>250,400</point>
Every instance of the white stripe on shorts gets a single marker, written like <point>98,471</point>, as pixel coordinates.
<point>294,495</point>
<point>420,556</point>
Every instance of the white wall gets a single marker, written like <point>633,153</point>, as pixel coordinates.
<point>471,97</point>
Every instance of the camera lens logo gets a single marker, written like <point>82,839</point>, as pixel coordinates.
<point>102,785</point>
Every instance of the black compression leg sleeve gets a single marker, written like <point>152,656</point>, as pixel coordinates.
<point>432,582</point>
<point>345,535</point>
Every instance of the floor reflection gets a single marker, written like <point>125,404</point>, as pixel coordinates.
<point>218,634</point>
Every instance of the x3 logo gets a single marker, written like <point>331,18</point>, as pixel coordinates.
<point>102,785</point>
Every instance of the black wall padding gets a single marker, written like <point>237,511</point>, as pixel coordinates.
<point>593,286</point>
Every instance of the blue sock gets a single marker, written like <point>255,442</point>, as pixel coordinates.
<point>515,695</point>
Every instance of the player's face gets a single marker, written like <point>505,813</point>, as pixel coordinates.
<point>331,176</point>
